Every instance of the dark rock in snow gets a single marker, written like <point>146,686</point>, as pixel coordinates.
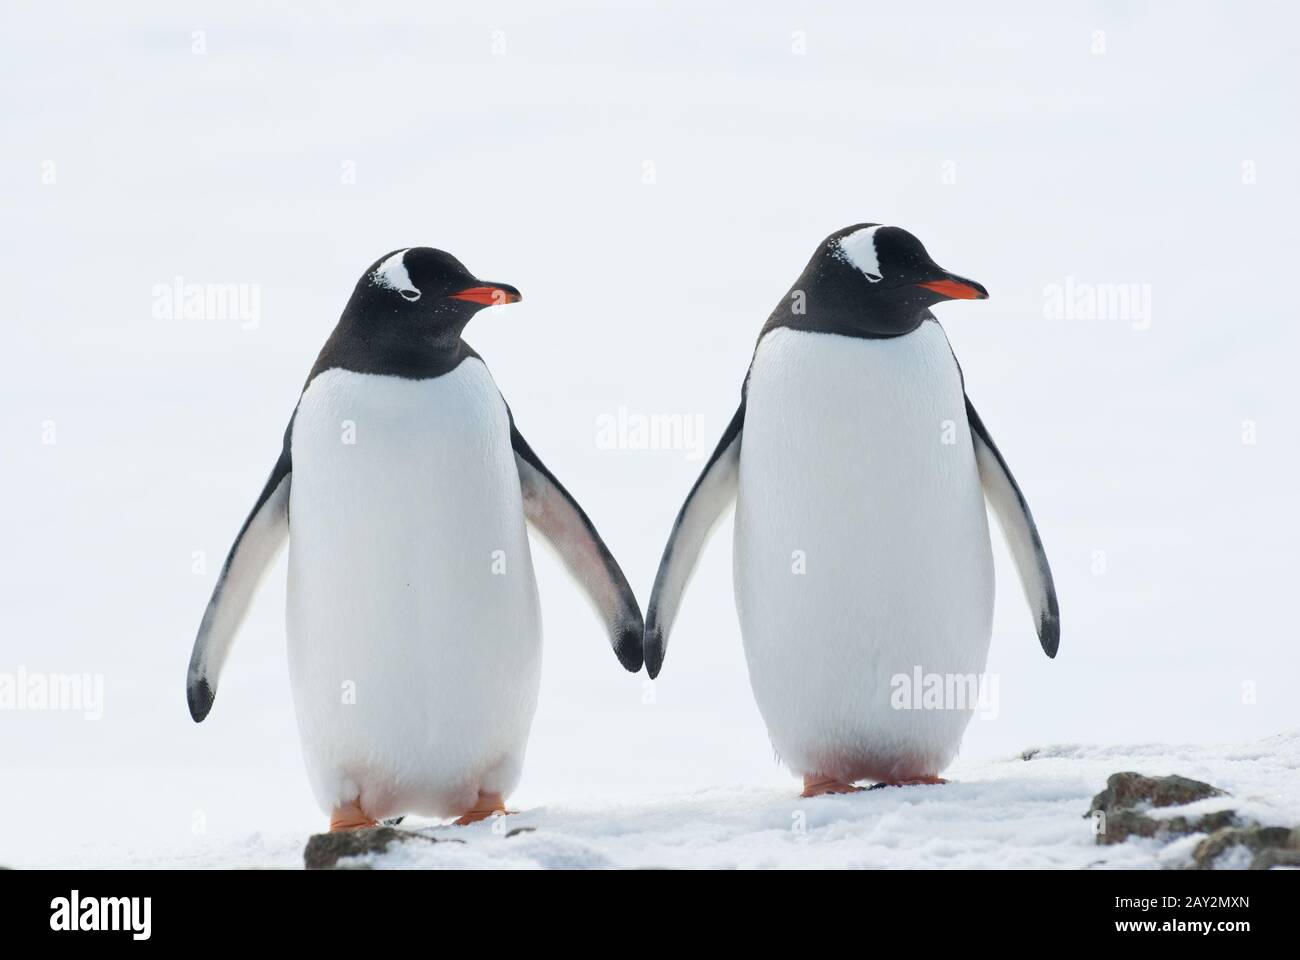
<point>1119,826</point>
<point>1271,857</point>
<point>325,850</point>
<point>1127,791</point>
<point>1270,846</point>
<point>1121,812</point>
<point>1120,809</point>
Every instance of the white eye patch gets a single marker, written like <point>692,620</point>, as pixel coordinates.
<point>859,249</point>
<point>392,274</point>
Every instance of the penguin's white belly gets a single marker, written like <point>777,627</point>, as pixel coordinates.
<point>862,551</point>
<point>413,622</point>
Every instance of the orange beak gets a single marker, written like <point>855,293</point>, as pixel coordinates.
<point>488,296</point>
<point>956,289</point>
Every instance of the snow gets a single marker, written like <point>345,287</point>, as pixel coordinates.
<point>1008,813</point>
<point>1157,448</point>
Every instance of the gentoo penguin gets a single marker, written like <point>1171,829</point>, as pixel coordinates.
<point>403,488</point>
<point>859,469</point>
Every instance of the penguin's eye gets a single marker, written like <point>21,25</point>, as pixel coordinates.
<point>411,294</point>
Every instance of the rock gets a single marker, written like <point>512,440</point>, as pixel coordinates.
<point>1271,846</point>
<point>1207,823</point>
<point>1122,824</point>
<point>1271,857</point>
<point>1119,809</point>
<point>1126,791</point>
<point>325,850</point>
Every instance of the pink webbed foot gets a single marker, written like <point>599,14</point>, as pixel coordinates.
<point>814,786</point>
<point>349,817</point>
<point>488,805</point>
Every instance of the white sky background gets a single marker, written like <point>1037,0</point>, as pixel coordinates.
<point>1122,167</point>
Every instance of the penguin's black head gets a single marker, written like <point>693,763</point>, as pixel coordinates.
<point>877,281</point>
<point>426,290</point>
<point>406,316</point>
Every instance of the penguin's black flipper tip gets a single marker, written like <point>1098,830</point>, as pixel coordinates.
<point>1049,634</point>
<point>200,696</point>
<point>653,649</point>
<point>627,644</point>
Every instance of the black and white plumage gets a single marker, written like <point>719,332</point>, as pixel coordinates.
<point>861,543</point>
<point>404,488</point>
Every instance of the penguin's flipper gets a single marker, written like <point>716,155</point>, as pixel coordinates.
<point>556,516</point>
<point>706,504</point>
<point>256,546</point>
<point>1017,523</point>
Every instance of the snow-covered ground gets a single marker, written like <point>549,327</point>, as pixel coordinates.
<point>652,176</point>
<point>1012,813</point>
